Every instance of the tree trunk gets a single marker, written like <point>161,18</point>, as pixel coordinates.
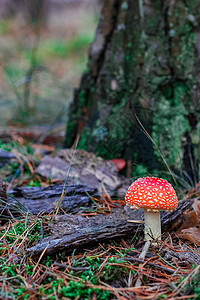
<point>142,77</point>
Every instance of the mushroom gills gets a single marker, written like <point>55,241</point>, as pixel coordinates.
<point>152,228</point>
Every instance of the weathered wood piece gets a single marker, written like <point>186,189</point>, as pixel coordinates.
<point>3,199</point>
<point>44,199</point>
<point>175,219</point>
<point>68,232</point>
<point>84,168</point>
<point>184,257</point>
<point>5,157</point>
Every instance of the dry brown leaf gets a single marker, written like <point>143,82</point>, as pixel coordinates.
<point>191,217</point>
<point>191,234</point>
<point>196,207</point>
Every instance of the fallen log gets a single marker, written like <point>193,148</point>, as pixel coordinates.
<point>68,232</point>
<point>36,200</point>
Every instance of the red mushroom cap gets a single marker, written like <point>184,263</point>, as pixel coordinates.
<point>119,162</point>
<point>151,193</point>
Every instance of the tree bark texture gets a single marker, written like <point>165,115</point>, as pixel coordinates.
<point>36,200</point>
<point>142,75</point>
<point>68,232</point>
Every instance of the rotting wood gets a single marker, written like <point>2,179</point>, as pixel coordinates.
<point>3,200</point>
<point>44,199</point>
<point>68,232</point>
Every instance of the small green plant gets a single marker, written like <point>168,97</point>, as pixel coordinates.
<point>193,285</point>
<point>72,290</point>
<point>23,230</point>
<point>139,171</point>
<point>34,182</point>
<point>162,297</point>
<point>20,167</point>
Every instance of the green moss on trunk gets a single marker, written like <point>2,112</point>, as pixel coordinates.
<point>143,62</point>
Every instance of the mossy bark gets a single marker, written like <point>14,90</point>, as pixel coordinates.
<point>142,75</point>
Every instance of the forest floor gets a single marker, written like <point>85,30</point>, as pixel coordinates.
<point>107,270</point>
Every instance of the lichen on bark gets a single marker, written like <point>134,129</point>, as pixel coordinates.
<point>143,65</point>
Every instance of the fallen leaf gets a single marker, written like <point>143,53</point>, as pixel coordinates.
<point>191,234</point>
<point>196,207</point>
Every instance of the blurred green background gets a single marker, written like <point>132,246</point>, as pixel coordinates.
<point>43,52</point>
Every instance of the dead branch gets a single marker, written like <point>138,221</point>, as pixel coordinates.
<point>68,232</point>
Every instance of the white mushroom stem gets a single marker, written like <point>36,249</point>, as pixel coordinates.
<point>152,228</point>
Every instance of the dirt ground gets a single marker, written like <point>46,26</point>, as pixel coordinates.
<point>56,54</point>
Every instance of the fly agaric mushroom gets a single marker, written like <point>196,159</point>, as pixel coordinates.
<point>119,162</point>
<point>152,194</point>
